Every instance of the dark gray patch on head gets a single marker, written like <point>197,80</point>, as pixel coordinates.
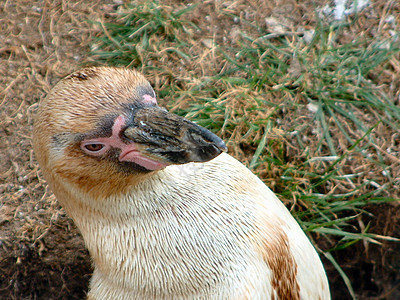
<point>103,128</point>
<point>84,74</point>
<point>124,167</point>
<point>145,90</point>
<point>137,102</point>
<point>141,92</point>
<point>62,140</point>
<point>129,168</point>
<point>104,125</point>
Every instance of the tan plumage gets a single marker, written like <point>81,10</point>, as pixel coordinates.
<point>163,211</point>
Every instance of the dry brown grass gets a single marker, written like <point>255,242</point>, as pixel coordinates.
<point>41,252</point>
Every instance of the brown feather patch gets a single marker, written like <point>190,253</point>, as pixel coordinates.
<point>276,253</point>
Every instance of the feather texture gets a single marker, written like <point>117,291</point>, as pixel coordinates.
<point>198,230</point>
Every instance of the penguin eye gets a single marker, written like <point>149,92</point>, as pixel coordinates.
<point>94,147</point>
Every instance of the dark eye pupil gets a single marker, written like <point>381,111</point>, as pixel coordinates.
<point>94,147</point>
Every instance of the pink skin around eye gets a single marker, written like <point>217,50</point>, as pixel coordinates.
<point>129,152</point>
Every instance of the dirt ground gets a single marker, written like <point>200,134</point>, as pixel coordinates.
<point>42,255</point>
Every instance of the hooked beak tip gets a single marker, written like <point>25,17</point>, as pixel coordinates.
<point>170,139</point>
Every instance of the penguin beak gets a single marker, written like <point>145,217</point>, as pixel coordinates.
<point>166,138</point>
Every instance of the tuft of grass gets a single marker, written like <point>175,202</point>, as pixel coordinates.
<point>306,116</point>
<point>129,42</point>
